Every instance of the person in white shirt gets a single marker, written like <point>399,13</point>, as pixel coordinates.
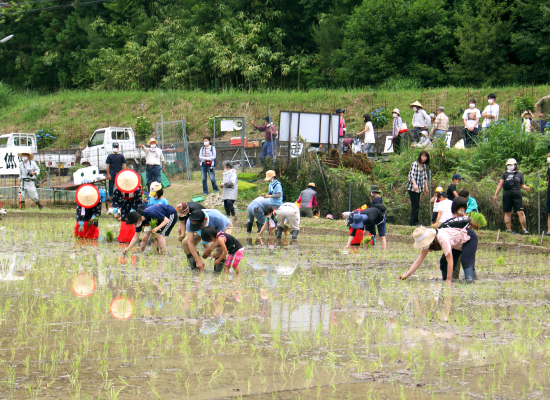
<point>421,120</point>
<point>471,124</point>
<point>370,140</point>
<point>491,112</point>
<point>28,173</point>
<point>444,211</point>
<point>153,162</point>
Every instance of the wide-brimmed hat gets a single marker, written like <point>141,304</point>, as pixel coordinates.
<point>417,104</point>
<point>196,218</point>
<point>511,161</point>
<point>87,196</point>
<point>375,189</point>
<point>311,184</point>
<point>269,174</point>
<point>127,181</point>
<point>31,157</point>
<point>396,110</point>
<point>359,221</point>
<point>340,110</point>
<point>423,237</point>
<point>155,187</point>
<point>152,140</point>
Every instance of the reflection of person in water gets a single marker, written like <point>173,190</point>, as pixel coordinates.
<point>8,271</point>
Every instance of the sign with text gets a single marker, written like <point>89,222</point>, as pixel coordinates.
<point>9,161</point>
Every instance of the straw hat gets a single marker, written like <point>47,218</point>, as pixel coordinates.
<point>121,308</point>
<point>87,196</point>
<point>31,157</point>
<point>151,141</point>
<point>423,237</point>
<point>127,181</point>
<point>396,110</point>
<point>83,285</point>
<point>511,161</point>
<point>311,184</point>
<point>416,103</point>
<point>269,174</point>
<point>155,187</point>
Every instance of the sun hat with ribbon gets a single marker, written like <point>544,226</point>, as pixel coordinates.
<point>423,237</point>
<point>151,141</point>
<point>87,196</point>
<point>269,174</point>
<point>27,154</point>
<point>127,181</point>
<point>416,104</point>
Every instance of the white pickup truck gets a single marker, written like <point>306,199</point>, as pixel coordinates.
<point>101,145</point>
<point>12,144</point>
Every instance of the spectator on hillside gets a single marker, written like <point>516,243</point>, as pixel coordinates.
<point>154,162</point>
<point>418,179</point>
<point>397,130</point>
<point>542,110</point>
<point>491,112</point>
<point>471,124</point>
<point>370,140</point>
<point>341,129</point>
<point>432,121</point>
<point>527,121</point>
<point>441,124</point>
<point>471,203</point>
<point>512,181</point>
<point>451,190</point>
<point>420,121</point>
<point>547,233</point>
<point>269,147</point>
<point>207,156</point>
<point>230,186</point>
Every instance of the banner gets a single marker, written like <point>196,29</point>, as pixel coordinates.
<point>9,161</point>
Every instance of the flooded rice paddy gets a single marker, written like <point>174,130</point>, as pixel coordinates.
<point>304,321</point>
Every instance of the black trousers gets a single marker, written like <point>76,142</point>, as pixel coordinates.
<point>415,207</point>
<point>229,207</point>
<point>397,144</point>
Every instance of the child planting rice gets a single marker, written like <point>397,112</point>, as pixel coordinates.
<point>161,215</point>
<point>88,210</point>
<point>228,247</point>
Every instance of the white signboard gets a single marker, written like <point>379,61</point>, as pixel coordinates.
<point>449,138</point>
<point>312,127</point>
<point>9,161</point>
<point>388,146</point>
<point>227,125</point>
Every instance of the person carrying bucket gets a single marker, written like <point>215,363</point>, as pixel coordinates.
<point>88,210</point>
<point>126,197</point>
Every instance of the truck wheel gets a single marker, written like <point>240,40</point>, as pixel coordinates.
<point>132,165</point>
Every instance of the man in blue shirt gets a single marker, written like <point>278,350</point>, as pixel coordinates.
<point>275,194</point>
<point>194,225</point>
<point>165,217</point>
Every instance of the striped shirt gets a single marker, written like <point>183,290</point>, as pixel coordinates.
<point>419,175</point>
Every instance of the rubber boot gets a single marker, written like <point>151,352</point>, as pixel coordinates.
<point>259,225</point>
<point>279,232</point>
<point>22,205</point>
<point>219,267</point>
<point>249,227</point>
<point>40,206</point>
<point>295,235</point>
<point>192,262</point>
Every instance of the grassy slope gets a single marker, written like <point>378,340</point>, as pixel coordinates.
<point>76,114</point>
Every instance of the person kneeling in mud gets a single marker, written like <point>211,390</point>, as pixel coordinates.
<point>88,211</point>
<point>228,247</point>
<point>289,212</point>
<point>165,217</point>
<point>271,218</point>
<point>455,237</point>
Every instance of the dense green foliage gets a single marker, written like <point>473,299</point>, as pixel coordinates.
<point>248,44</point>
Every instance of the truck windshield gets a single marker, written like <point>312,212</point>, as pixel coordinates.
<point>4,142</point>
<point>97,139</point>
<point>22,141</point>
<point>120,135</point>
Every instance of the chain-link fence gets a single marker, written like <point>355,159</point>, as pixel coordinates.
<point>172,137</point>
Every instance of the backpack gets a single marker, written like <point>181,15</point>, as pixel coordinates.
<point>509,182</point>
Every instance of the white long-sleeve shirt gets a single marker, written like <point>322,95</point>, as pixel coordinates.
<point>207,154</point>
<point>25,169</point>
<point>421,119</point>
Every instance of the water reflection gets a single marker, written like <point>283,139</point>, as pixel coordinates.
<point>83,285</point>
<point>121,308</point>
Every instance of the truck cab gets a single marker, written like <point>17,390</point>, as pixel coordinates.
<point>100,146</point>
<point>19,140</point>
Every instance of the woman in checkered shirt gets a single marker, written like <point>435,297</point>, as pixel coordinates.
<point>418,179</point>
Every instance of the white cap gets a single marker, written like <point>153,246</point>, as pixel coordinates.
<point>511,161</point>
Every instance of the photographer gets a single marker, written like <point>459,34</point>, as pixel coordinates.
<point>28,172</point>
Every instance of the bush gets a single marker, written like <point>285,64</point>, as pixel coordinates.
<point>6,95</point>
<point>522,104</point>
<point>380,117</point>
<point>45,138</point>
<point>143,128</point>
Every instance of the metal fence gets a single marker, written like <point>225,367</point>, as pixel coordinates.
<point>172,136</point>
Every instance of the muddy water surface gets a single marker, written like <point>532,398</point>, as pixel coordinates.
<point>304,320</point>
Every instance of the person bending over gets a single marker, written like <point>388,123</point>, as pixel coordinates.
<point>227,246</point>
